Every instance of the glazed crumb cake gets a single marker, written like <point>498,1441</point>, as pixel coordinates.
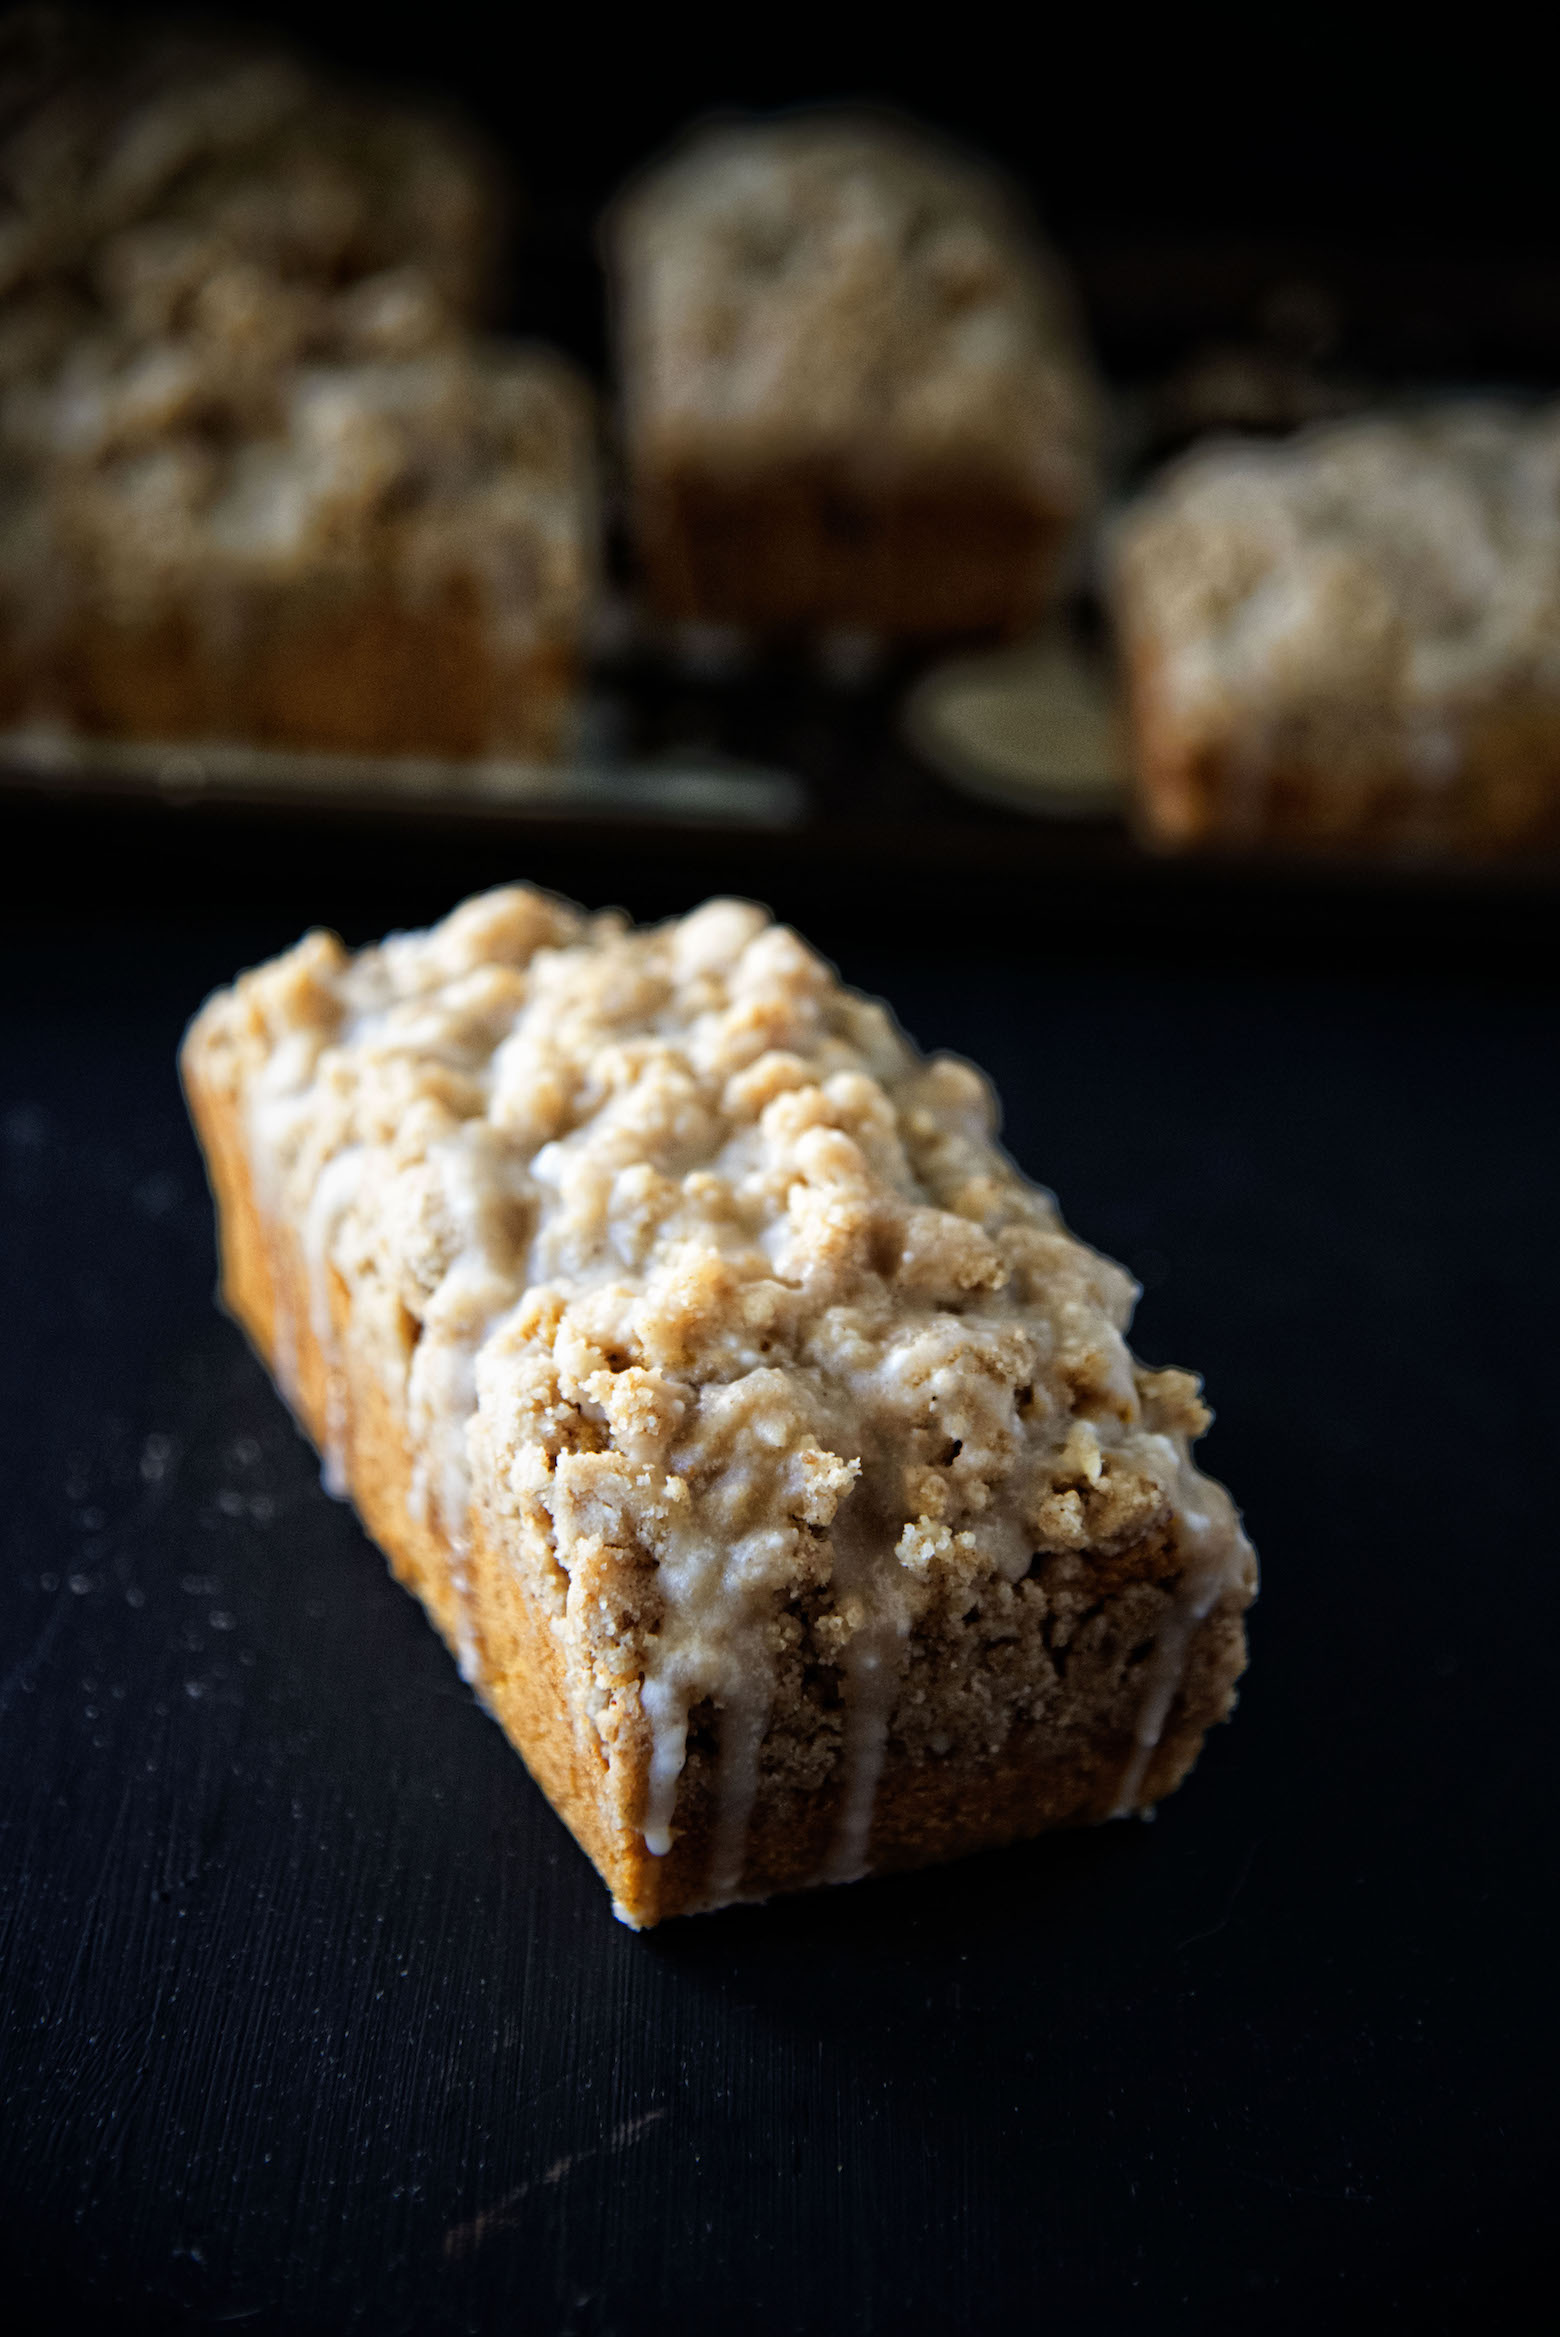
<point>260,478</point>
<point>1352,639</point>
<point>763,1445</point>
<point>855,391</point>
<point>398,562</point>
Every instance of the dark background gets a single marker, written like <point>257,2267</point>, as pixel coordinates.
<point>1188,162</point>
<point>311,2015</point>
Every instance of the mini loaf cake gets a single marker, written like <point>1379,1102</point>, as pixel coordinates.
<point>760,1441</point>
<point>401,564</point>
<point>854,391</point>
<point>258,480</point>
<point>1352,638</point>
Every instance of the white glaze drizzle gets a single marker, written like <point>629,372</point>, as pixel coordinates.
<point>665,1699</point>
<point>1208,1531</point>
<point>744,1725</point>
<point>676,1677</point>
<point>874,1660</point>
<point>335,1190</point>
<point>441,1389</point>
<point>442,1383</point>
<point>278,1105</point>
<point>870,1587</point>
<point>441,1397</point>
<point>699,1576</point>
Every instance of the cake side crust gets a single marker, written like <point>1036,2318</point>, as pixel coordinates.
<point>323,670</point>
<point>264,1281</point>
<point>793,546</point>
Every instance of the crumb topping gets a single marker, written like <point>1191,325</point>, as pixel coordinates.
<point>464,466</point>
<point>825,287</point>
<point>140,165</point>
<point>1363,593</point>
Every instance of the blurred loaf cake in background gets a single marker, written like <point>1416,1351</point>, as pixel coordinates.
<point>1352,638</point>
<point>767,1451</point>
<point>260,478</point>
<point>854,392</point>
<point>139,161</point>
<point>400,563</point>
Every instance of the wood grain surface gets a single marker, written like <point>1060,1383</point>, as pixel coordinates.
<point>311,2015</point>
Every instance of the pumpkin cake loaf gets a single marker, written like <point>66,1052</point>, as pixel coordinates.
<point>761,1442</point>
<point>400,563</point>
<point>855,393</point>
<point>1352,639</point>
<point>261,480</point>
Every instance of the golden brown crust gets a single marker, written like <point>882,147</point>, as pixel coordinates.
<point>263,1278</point>
<point>806,546</point>
<point>322,668</point>
<point>929,1807</point>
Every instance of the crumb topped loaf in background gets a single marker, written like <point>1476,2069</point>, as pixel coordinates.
<point>855,393</point>
<point>762,1443</point>
<point>260,480</point>
<point>399,563</point>
<point>1353,637</point>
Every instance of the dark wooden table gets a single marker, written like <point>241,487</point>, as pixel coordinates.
<point>311,2015</point>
